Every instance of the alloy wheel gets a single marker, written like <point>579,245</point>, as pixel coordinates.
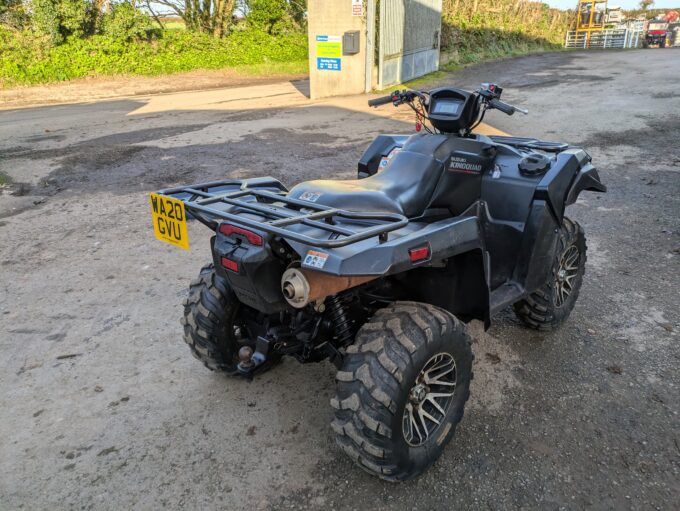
<point>429,399</point>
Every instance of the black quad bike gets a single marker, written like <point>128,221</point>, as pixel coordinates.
<point>381,273</point>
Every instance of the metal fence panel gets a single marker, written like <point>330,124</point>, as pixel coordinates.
<point>410,31</point>
<point>620,38</point>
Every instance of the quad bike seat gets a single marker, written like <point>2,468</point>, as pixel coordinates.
<point>404,187</point>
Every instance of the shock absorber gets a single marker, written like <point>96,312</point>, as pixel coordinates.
<point>336,306</point>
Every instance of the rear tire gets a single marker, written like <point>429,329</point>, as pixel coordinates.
<point>382,387</point>
<point>549,306</point>
<point>211,323</point>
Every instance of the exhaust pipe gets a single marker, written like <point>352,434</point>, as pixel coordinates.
<point>301,287</point>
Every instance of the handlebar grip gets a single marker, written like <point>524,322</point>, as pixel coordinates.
<point>503,107</point>
<point>380,101</point>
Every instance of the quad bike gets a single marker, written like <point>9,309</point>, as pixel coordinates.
<point>380,274</point>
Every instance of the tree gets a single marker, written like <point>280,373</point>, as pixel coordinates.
<point>298,10</point>
<point>646,4</point>
<point>207,16</point>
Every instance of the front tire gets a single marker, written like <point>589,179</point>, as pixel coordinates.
<point>549,306</point>
<point>402,389</point>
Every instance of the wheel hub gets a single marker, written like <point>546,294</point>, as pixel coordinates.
<point>418,393</point>
<point>429,399</point>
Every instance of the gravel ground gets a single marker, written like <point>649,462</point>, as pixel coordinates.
<point>104,408</point>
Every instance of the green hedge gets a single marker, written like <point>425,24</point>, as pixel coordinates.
<point>26,60</point>
<point>475,30</point>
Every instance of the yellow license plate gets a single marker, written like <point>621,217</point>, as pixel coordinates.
<point>169,220</point>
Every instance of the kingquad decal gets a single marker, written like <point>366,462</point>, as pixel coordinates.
<point>463,166</point>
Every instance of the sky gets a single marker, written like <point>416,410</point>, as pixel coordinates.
<point>625,4</point>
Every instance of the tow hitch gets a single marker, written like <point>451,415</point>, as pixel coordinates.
<point>249,361</point>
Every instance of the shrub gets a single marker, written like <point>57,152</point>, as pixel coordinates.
<point>125,22</point>
<point>60,19</point>
<point>271,16</point>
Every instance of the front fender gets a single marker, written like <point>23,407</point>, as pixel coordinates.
<point>586,179</point>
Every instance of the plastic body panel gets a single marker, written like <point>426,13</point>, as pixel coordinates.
<point>257,281</point>
<point>466,161</point>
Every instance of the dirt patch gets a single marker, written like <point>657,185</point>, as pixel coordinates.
<point>658,140</point>
<point>666,95</point>
<point>115,164</point>
<point>533,82</point>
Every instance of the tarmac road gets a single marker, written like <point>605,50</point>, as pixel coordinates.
<point>102,406</point>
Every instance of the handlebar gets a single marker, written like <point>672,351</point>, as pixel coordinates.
<point>506,108</point>
<point>503,107</point>
<point>380,101</point>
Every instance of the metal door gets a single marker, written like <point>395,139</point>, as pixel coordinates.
<point>409,35</point>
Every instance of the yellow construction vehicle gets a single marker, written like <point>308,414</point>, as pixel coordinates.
<point>590,17</point>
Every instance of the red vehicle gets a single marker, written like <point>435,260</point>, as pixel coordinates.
<point>657,34</point>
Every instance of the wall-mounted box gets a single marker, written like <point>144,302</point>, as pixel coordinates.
<point>350,42</point>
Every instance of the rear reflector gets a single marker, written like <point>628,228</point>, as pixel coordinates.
<point>253,239</point>
<point>419,254</point>
<point>229,264</point>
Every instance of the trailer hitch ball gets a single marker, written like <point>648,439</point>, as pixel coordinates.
<point>245,356</point>
<point>295,288</point>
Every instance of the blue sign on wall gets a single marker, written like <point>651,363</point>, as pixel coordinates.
<point>326,64</point>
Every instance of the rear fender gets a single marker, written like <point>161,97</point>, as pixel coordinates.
<point>455,276</point>
<point>444,239</point>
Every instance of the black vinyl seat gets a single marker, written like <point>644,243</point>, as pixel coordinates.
<point>405,187</point>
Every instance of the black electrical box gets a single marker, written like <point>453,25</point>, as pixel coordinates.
<point>350,43</point>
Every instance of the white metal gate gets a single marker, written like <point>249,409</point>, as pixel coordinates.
<point>409,35</point>
<point>623,38</point>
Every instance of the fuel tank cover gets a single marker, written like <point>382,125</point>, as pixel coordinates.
<point>534,164</point>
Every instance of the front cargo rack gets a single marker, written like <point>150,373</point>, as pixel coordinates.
<point>530,143</point>
<point>213,202</point>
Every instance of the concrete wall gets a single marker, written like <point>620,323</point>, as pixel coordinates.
<point>334,18</point>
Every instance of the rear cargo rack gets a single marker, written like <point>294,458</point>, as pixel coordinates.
<point>213,202</point>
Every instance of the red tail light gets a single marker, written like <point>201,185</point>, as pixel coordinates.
<point>229,264</point>
<point>253,239</point>
<point>419,254</point>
